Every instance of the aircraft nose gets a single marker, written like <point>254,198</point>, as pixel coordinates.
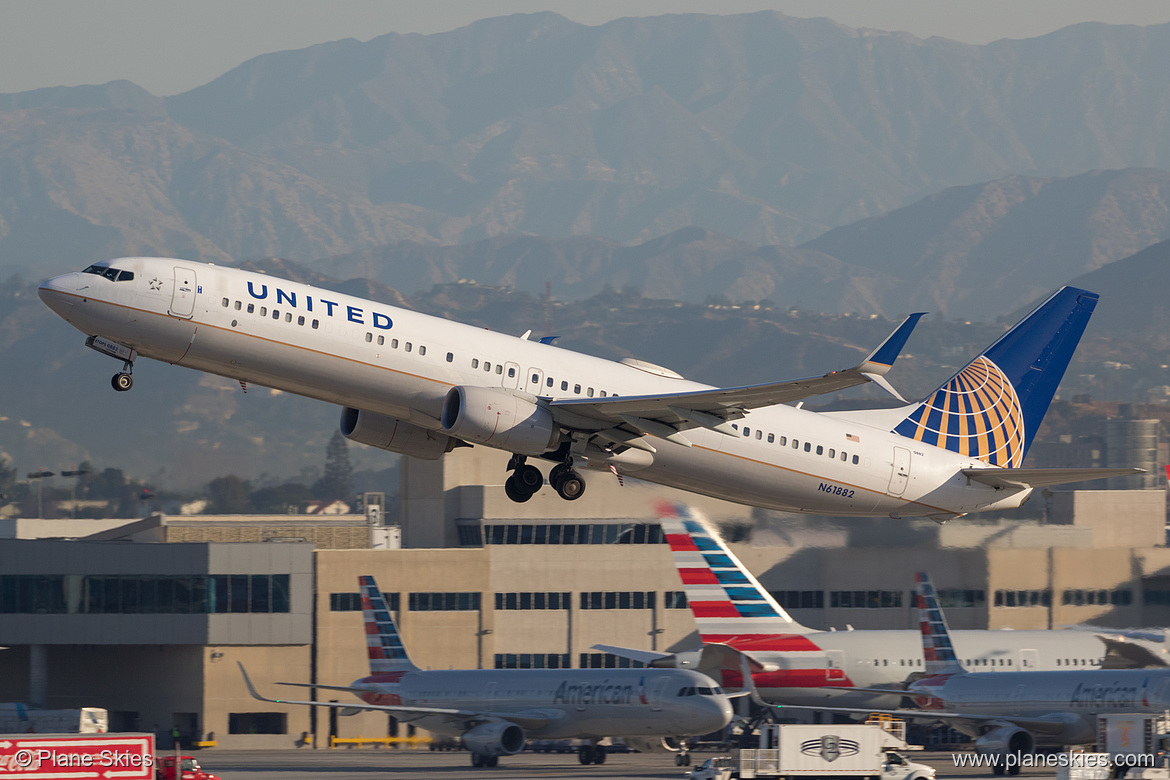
<point>716,712</point>
<point>57,293</point>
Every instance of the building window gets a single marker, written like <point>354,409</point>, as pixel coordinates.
<point>585,533</point>
<point>800,599</point>
<point>674,599</point>
<point>257,723</point>
<point>1102,597</point>
<point>949,598</point>
<point>611,599</point>
<point>143,594</point>
<point>548,600</point>
<point>865,599</point>
<point>532,660</point>
<point>1024,598</point>
<point>444,602</point>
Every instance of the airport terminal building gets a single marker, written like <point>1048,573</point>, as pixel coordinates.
<point>149,618</point>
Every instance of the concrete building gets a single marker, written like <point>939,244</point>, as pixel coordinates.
<point>480,581</point>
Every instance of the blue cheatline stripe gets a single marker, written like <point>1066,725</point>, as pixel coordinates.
<point>719,560</point>
<point>705,543</point>
<point>756,610</point>
<point>732,578</point>
<point>744,594</point>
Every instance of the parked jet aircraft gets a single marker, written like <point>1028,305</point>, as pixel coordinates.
<point>420,386</point>
<point>1010,714</point>
<point>495,711</point>
<point>794,664</point>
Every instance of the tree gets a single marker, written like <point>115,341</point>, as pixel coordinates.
<point>229,496</point>
<point>337,482</point>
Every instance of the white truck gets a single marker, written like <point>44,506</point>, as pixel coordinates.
<point>808,750</point>
<point>17,718</point>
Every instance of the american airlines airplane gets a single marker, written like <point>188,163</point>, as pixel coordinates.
<point>494,711</point>
<point>420,386</point>
<point>1010,714</point>
<point>793,664</point>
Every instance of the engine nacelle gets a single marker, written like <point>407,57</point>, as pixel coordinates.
<point>497,418</point>
<point>653,744</point>
<point>1005,740</point>
<point>494,738</point>
<point>390,433</point>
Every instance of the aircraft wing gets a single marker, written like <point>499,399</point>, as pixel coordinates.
<point>668,414</point>
<point>528,720</point>
<point>648,657</point>
<point>1021,478</point>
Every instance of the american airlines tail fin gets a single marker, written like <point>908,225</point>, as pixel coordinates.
<point>386,652</point>
<point>992,409</point>
<point>937,650</point>
<point>727,601</point>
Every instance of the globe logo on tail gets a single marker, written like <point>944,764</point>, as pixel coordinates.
<point>977,413</point>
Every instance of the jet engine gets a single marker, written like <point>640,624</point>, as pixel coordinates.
<point>390,433</point>
<point>494,738</point>
<point>1005,740</point>
<point>653,744</point>
<point>499,419</point>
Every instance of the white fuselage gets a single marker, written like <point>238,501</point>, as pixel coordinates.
<point>386,360</point>
<point>1076,697</point>
<point>577,703</point>
<point>812,668</point>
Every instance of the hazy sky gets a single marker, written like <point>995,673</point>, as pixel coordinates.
<point>170,46</point>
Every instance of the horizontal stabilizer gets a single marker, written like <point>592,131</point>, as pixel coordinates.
<point>1023,478</point>
<point>1123,653</point>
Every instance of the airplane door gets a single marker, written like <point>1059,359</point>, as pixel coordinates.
<point>183,295</point>
<point>656,694</point>
<point>511,375</point>
<point>1028,659</point>
<point>901,473</point>
<point>535,378</point>
<point>836,665</point>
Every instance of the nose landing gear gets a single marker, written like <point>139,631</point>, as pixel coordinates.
<point>122,381</point>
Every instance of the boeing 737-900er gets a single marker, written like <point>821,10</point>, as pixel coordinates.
<point>494,711</point>
<point>420,386</point>
<point>796,665</point>
<point>1010,714</point>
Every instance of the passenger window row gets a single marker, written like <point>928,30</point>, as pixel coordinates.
<point>808,446</point>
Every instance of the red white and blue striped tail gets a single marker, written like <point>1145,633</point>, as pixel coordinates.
<point>384,645</point>
<point>937,649</point>
<point>728,603</point>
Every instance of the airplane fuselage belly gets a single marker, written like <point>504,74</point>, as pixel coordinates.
<point>374,357</point>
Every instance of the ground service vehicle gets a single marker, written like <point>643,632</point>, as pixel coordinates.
<point>189,769</point>
<point>17,718</point>
<point>793,750</point>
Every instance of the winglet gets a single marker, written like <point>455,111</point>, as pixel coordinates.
<point>252,688</point>
<point>881,360</point>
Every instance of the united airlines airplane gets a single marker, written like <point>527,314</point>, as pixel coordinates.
<point>494,711</point>
<point>792,664</point>
<point>421,386</point>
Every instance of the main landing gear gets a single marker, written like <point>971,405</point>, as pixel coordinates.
<point>480,759</point>
<point>591,754</point>
<point>526,480</point>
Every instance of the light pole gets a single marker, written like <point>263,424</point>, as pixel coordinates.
<point>37,476</point>
<point>73,490</point>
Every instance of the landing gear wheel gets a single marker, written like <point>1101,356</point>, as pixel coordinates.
<point>492,761</point>
<point>477,759</point>
<point>599,754</point>
<point>998,769</point>
<point>570,486</point>
<point>585,754</point>
<point>122,382</point>
<point>515,490</point>
<point>530,478</point>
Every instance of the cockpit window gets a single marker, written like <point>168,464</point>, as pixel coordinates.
<point>113,274</point>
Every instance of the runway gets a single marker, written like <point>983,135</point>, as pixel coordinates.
<point>370,764</point>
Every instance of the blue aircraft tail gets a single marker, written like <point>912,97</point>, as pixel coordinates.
<point>384,645</point>
<point>992,408</point>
